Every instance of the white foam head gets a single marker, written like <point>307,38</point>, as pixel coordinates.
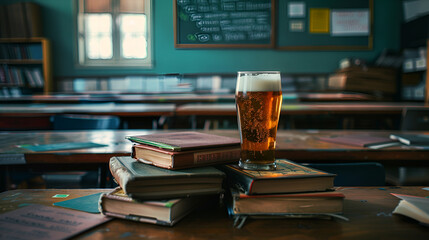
<point>258,81</point>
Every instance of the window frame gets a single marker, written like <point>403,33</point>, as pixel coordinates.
<point>81,57</point>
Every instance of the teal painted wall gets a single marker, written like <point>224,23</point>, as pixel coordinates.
<point>59,27</point>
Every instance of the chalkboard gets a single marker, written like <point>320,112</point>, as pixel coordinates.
<point>348,25</point>
<point>224,24</point>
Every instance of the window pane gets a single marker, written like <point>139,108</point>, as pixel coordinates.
<point>98,32</point>
<point>131,6</point>
<point>133,35</point>
<point>97,6</point>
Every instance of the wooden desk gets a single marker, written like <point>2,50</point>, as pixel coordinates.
<point>116,109</point>
<point>305,115</point>
<point>37,116</point>
<point>296,145</point>
<point>315,108</point>
<point>368,209</point>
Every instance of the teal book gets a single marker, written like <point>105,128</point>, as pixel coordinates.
<point>289,177</point>
<point>144,181</point>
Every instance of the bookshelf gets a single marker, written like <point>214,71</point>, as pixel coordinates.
<point>25,66</point>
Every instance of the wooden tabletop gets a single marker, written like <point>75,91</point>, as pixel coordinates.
<point>369,210</point>
<point>296,145</point>
<point>117,109</point>
<point>304,108</point>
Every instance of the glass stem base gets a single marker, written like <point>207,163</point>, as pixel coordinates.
<point>257,167</point>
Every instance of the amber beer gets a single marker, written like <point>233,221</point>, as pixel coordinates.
<point>258,100</point>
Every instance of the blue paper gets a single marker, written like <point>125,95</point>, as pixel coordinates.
<point>61,146</point>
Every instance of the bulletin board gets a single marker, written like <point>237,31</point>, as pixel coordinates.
<point>224,24</point>
<point>325,25</point>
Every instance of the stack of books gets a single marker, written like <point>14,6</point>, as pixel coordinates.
<point>167,176</point>
<point>292,190</point>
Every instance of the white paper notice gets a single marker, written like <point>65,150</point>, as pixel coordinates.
<point>296,9</point>
<point>350,22</point>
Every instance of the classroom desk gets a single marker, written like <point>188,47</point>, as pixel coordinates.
<point>116,109</point>
<point>296,145</point>
<point>369,210</point>
<point>314,108</point>
<point>178,98</point>
<point>305,115</point>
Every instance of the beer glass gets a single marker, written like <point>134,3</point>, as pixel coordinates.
<point>258,98</point>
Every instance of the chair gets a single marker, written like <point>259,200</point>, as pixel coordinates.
<point>91,178</point>
<point>413,119</point>
<point>354,174</point>
<point>84,122</point>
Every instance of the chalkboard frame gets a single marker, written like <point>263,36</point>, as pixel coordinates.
<point>333,47</point>
<point>271,44</point>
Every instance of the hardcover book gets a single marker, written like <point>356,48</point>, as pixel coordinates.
<point>184,159</point>
<point>361,140</point>
<point>289,177</point>
<point>143,181</point>
<point>162,212</point>
<point>411,139</point>
<point>181,141</point>
<point>329,202</point>
<point>413,207</point>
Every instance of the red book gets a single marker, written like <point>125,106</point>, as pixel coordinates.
<point>184,159</point>
<point>361,140</point>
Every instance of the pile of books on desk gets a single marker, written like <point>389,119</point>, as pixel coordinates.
<point>292,190</point>
<point>170,174</point>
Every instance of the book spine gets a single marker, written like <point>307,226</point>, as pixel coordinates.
<point>205,158</point>
<point>238,181</point>
<point>137,218</point>
<point>120,173</point>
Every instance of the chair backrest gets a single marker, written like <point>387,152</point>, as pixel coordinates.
<point>415,119</point>
<point>354,174</point>
<point>84,122</point>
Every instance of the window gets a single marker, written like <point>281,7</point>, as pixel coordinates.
<point>114,33</point>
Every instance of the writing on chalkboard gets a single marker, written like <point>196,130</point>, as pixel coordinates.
<point>223,22</point>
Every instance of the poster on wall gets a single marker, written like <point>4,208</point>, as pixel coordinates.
<point>350,22</point>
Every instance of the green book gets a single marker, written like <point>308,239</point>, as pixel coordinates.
<point>143,181</point>
<point>289,177</point>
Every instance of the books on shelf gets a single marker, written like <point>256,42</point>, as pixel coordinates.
<point>182,141</point>
<point>328,202</point>
<point>184,159</point>
<point>413,207</point>
<point>162,212</point>
<point>289,177</point>
<point>143,181</point>
<point>362,140</point>
<point>411,139</point>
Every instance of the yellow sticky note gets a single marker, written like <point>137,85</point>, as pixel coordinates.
<point>319,20</point>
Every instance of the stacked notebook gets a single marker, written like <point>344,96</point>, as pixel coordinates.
<point>168,175</point>
<point>291,191</point>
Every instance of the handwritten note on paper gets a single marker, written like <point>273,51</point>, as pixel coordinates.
<point>44,222</point>
<point>350,23</point>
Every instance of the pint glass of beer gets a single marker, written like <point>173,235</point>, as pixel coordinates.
<point>258,98</point>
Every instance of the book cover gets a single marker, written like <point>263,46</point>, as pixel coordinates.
<point>289,177</point>
<point>413,207</point>
<point>162,212</point>
<point>361,140</point>
<point>181,141</point>
<point>144,181</point>
<point>184,159</point>
<point>411,139</point>
<point>328,202</point>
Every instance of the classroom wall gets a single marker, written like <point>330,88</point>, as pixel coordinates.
<point>59,27</point>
